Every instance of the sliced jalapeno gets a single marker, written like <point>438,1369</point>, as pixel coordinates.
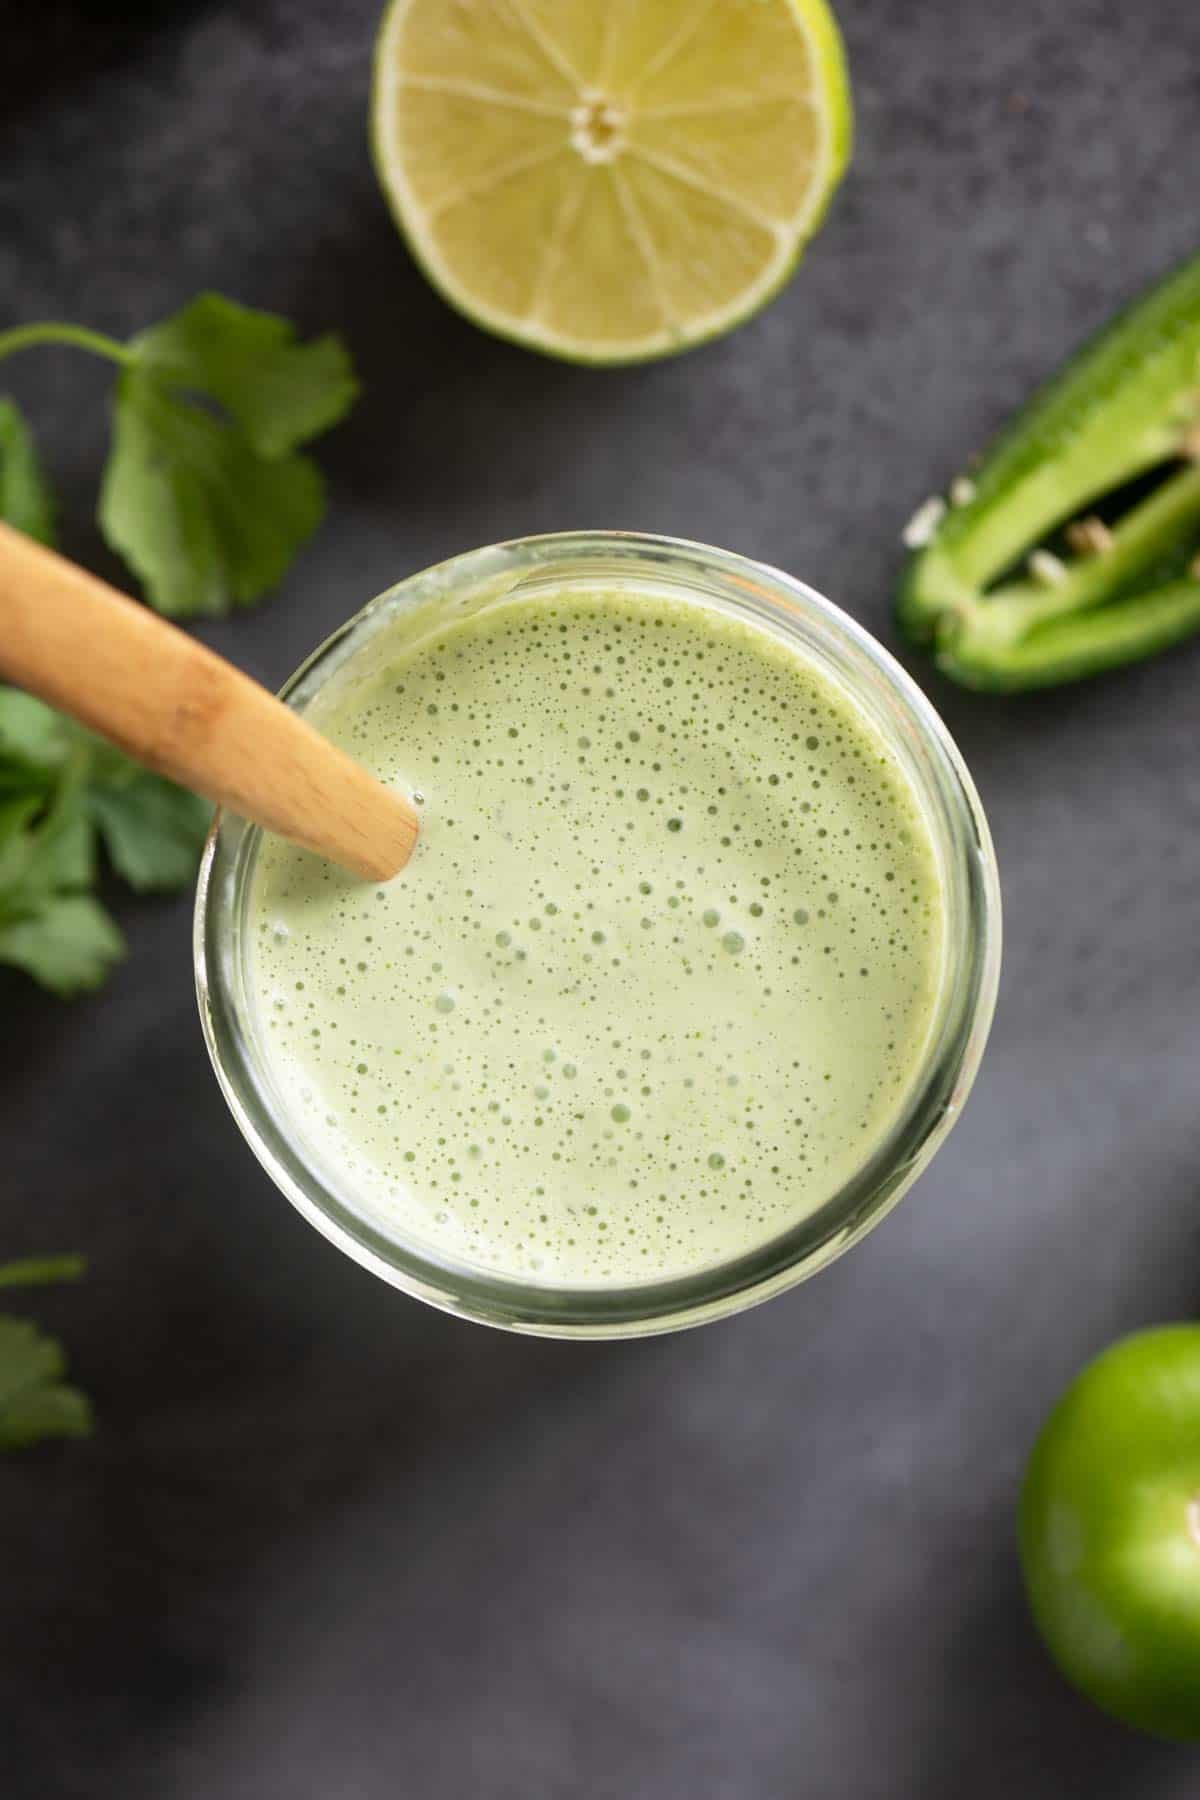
<point>1010,584</point>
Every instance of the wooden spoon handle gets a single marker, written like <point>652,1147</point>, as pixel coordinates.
<point>185,712</point>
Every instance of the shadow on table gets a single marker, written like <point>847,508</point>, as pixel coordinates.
<point>63,47</point>
<point>1011,1725</point>
<point>447,409</point>
<point>254,1390</point>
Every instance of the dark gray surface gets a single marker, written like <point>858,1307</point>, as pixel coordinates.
<point>331,1545</point>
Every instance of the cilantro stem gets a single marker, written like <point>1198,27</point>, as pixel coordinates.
<point>41,1271</point>
<point>54,331</point>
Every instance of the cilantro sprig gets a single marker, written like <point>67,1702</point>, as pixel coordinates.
<point>35,1401</point>
<point>63,795</point>
<point>205,492</point>
<point>207,496</point>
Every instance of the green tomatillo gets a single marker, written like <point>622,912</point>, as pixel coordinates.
<point>1110,1531</point>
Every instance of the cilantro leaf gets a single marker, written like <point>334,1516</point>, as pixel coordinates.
<point>55,1410</point>
<point>60,788</point>
<point>204,493</point>
<point>16,849</point>
<point>31,732</point>
<point>24,496</point>
<point>203,518</point>
<point>43,846</point>
<point>41,851</point>
<point>153,831</point>
<point>35,1403</point>
<point>65,853</point>
<point>280,392</point>
<point>69,944</point>
<point>49,925</point>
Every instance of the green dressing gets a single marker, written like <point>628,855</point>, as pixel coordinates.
<point>661,972</point>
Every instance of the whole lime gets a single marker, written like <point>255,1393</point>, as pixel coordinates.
<point>1110,1531</point>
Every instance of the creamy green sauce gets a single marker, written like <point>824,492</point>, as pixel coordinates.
<point>662,967</point>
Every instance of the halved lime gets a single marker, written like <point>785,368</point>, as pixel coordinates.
<point>607,180</point>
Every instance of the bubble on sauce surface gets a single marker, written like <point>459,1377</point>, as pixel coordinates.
<point>660,901</point>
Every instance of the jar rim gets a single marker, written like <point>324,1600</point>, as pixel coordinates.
<point>796,614</point>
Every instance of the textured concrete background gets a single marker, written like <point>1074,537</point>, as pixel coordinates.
<point>331,1545</point>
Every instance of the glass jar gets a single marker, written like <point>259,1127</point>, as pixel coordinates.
<point>848,656</point>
